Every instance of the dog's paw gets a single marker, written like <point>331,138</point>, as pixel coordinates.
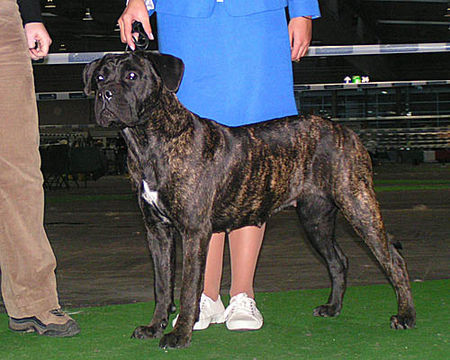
<point>326,310</point>
<point>174,340</point>
<point>173,308</point>
<point>147,332</point>
<point>399,322</point>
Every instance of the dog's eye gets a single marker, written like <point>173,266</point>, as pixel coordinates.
<point>131,76</point>
<point>100,78</point>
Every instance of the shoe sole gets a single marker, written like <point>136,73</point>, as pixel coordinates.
<point>242,326</point>
<point>66,330</point>
<point>215,319</point>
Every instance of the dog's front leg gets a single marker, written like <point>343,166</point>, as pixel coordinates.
<point>194,258</point>
<point>161,241</point>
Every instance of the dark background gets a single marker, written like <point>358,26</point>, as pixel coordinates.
<point>343,22</point>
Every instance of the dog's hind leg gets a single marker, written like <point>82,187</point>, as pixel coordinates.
<point>161,240</point>
<point>357,201</point>
<point>318,215</point>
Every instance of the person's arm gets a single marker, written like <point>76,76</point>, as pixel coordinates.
<point>38,39</point>
<point>30,11</point>
<point>136,10</point>
<point>300,26</point>
<point>300,33</point>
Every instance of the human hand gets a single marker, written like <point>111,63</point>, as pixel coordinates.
<point>300,33</point>
<point>135,11</point>
<point>38,40</point>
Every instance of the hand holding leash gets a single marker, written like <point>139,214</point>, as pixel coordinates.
<point>142,41</point>
<point>135,11</point>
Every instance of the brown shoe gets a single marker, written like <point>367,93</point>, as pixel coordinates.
<point>50,323</point>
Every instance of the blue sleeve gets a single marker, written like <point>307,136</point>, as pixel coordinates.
<point>151,4</point>
<point>151,11</point>
<point>304,8</point>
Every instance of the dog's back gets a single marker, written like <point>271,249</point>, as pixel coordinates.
<point>274,162</point>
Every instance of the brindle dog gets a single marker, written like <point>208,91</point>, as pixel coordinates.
<point>195,177</point>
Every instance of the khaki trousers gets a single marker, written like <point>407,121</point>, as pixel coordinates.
<point>27,262</point>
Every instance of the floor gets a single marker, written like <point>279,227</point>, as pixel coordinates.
<point>99,241</point>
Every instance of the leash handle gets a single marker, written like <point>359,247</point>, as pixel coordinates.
<point>142,42</point>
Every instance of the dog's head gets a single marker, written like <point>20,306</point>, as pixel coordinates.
<point>128,85</point>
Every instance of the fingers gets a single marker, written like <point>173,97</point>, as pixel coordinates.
<point>38,40</point>
<point>126,35</point>
<point>300,33</point>
<point>125,32</point>
<point>43,46</point>
<point>34,55</point>
<point>299,50</point>
<point>299,47</point>
<point>148,29</point>
<point>135,11</point>
<point>303,50</point>
<point>295,51</point>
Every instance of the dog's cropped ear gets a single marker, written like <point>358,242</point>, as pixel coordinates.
<point>88,73</point>
<point>169,67</point>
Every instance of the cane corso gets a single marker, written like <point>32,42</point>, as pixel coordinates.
<point>195,177</point>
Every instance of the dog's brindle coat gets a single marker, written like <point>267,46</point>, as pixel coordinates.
<point>195,177</point>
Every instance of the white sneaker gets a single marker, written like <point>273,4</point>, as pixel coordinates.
<point>242,314</point>
<point>211,312</point>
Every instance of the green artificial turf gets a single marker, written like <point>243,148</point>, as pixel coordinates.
<point>385,185</point>
<point>290,331</point>
<point>379,189</point>
<point>411,181</point>
<point>380,186</point>
<point>88,198</point>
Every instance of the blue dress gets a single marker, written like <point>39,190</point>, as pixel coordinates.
<point>238,69</point>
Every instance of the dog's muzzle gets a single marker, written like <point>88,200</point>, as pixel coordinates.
<point>105,95</point>
<point>106,113</point>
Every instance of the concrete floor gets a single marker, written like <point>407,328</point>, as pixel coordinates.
<point>103,259</point>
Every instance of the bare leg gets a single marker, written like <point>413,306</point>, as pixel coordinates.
<point>214,264</point>
<point>245,244</point>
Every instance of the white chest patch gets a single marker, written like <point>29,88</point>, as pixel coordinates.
<point>151,197</point>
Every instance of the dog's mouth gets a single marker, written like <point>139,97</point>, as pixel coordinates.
<point>105,117</point>
<point>115,112</point>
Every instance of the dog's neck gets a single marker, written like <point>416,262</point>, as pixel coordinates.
<point>168,128</point>
<point>177,119</point>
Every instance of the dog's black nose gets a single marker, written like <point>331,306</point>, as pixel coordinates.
<point>108,95</point>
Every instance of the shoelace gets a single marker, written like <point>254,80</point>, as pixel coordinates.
<point>202,308</point>
<point>57,312</point>
<point>239,303</point>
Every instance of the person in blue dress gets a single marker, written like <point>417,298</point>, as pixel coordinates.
<point>238,71</point>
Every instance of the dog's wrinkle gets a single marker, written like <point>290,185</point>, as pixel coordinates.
<point>178,122</point>
<point>136,143</point>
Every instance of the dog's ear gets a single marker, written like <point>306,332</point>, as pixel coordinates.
<point>88,73</point>
<point>169,67</point>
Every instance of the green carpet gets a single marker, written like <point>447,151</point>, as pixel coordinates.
<point>290,331</point>
<point>381,185</point>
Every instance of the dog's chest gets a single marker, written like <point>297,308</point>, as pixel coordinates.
<point>150,196</point>
<point>153,202</point>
